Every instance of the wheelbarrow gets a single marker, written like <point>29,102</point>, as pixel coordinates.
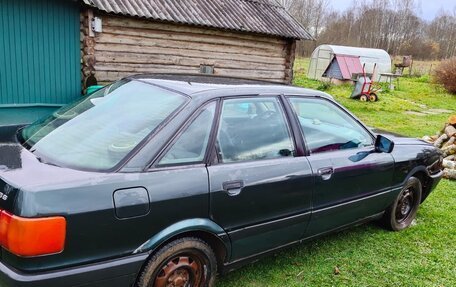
<point>365,88</point>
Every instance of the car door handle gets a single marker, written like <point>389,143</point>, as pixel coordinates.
<point>233,188</point>
<point>325,173</point>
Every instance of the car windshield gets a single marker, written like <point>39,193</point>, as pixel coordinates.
<point>97,132</point>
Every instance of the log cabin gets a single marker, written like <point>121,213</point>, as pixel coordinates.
<point>239,38</point>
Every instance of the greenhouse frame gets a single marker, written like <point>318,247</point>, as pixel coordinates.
<point>323,54</point>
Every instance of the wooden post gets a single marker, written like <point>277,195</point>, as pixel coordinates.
<point>88,49</point>
<point>290,58</point>
<point>89,22</point>
<point>410,68</point>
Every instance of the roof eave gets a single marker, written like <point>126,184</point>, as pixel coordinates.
<point>300,35</point>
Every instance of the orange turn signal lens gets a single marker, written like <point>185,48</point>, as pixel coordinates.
<point>29,237</point>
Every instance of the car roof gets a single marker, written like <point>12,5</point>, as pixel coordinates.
<point>211,86</point>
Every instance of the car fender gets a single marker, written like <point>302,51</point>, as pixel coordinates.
<point>413,171</point>
<point>185,226</point>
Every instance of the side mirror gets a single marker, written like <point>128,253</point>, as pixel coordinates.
<point>383,144</point>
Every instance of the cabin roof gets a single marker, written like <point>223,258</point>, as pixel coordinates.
<point>254,16</point>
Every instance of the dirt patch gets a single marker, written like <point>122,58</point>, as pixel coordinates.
<point>429,112</point>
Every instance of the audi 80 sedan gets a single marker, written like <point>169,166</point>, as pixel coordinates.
<point>167,180</point>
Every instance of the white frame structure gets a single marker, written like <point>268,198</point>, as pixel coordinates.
<point>323,54</point>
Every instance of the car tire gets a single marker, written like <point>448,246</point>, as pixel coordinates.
<point>186,261</point>
<point>404,208</point>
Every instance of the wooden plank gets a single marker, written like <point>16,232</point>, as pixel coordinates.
<point>144,68</point>
<point>115,72</point>
<point>155,68</point>
<point>111,76</point>
<point>110,20</point>
<point>135,58</point>
<point>198,38</point>
<point>255,74</point>
<point>121,48</point>
<point>106,38</point>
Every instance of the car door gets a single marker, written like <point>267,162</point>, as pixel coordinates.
<point>176,182</point>
<point>260,193</point>
<point>352,181</point>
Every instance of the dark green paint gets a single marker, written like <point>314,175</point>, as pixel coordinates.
<point>282,201</point>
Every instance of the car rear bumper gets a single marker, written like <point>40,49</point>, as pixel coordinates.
<point>114,273</point>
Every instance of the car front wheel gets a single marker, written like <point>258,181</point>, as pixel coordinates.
<point>184,262</point>
<point>403,211</point>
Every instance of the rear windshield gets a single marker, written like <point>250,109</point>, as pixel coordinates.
<point>97,132</point>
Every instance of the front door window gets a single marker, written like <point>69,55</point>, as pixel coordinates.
<point>326,127</point>
<point>253,129</point>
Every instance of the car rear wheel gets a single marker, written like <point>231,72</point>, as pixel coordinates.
<point>185,262</point>
<point>403,211</point>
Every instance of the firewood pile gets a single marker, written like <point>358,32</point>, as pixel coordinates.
<point>445,140</point>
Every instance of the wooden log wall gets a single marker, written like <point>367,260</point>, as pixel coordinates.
<point>131,46</point>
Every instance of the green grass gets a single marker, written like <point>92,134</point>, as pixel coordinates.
<point>367,255</point>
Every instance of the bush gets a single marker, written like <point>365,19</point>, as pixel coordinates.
<point>445,74</point>
<point>324,85</point>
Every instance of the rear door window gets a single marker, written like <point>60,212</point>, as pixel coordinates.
<point>191,145</point>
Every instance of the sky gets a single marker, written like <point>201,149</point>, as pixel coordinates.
<point>428,9</point>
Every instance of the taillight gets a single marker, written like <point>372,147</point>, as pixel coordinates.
<point>32,236</point>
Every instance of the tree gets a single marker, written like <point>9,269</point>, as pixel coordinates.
<point>392,25</point>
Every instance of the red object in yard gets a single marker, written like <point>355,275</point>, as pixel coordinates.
<point>366,89</point>
<point>343,67</point>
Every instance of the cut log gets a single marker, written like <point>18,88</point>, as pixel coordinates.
<point>442,131</point>
<point>449,173</point>
<point>434,137</point>
<point>452,120</point>
<point>428,139</point>
<point>450,131</point>
<point>439,142</point>
<point>449,150</point>
<point>451,157</point>
<point>449,164</point>
<point>451,141</point>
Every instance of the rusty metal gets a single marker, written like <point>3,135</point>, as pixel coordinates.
<point>257,16</point>
<point>179,272</point>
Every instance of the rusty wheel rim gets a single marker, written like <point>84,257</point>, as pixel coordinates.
<point>405,205</point>
<point>186,270</point>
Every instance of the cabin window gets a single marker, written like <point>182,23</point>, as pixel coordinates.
<point>206,69</point>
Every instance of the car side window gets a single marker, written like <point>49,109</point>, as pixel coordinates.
<point>252,129</point>
<point>326,127</point>
<point>191,145</point>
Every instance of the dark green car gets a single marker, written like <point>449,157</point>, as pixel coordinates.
<point>167,180</point>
